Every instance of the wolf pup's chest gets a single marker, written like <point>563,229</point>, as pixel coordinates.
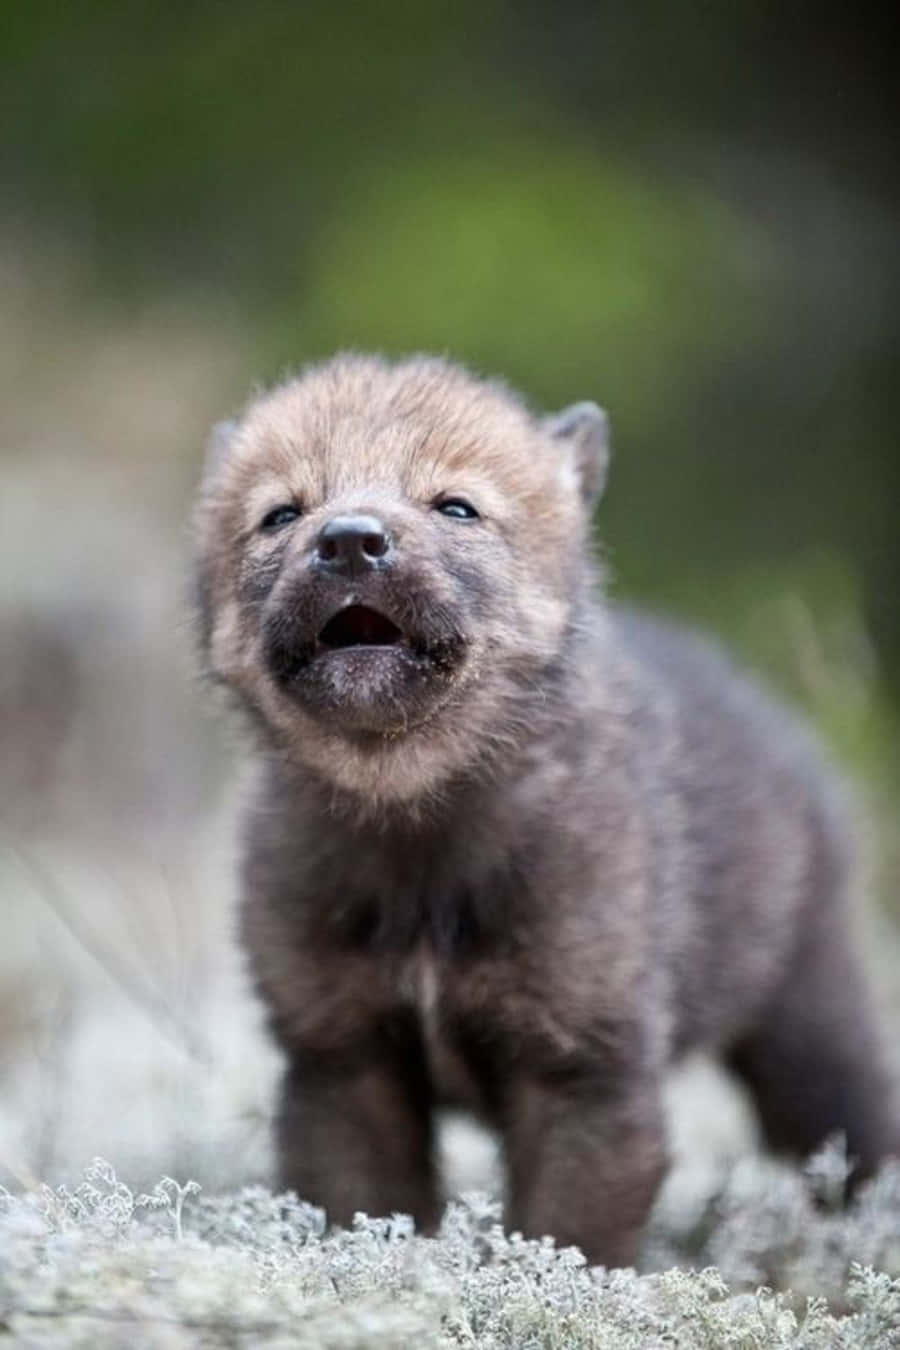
<point>427,989</point>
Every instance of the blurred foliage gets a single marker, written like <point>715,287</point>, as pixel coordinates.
<point>687,212</point>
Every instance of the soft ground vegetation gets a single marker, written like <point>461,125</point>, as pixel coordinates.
<point>98,1265</point>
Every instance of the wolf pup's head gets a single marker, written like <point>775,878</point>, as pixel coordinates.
<point>387,561</point>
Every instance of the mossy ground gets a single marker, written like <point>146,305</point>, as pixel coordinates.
<point>772,1260</point>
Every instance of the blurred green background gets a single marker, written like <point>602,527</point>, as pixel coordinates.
<point>687,212</point>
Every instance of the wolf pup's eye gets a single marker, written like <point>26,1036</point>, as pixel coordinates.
<point>278,517</point>
<point>457,508</point>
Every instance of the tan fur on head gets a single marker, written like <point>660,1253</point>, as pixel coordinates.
<point>361,435</point>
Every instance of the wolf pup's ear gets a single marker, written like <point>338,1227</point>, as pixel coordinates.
<point>217,446</point>
<point>586,427</point>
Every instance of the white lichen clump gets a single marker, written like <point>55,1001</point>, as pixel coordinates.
<point>100,1266</point>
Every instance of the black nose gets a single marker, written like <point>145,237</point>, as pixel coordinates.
<point>352,543</point>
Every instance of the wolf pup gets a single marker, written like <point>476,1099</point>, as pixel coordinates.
<point>507,846</point>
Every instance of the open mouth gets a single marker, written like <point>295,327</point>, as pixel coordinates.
<point>359,626</point>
